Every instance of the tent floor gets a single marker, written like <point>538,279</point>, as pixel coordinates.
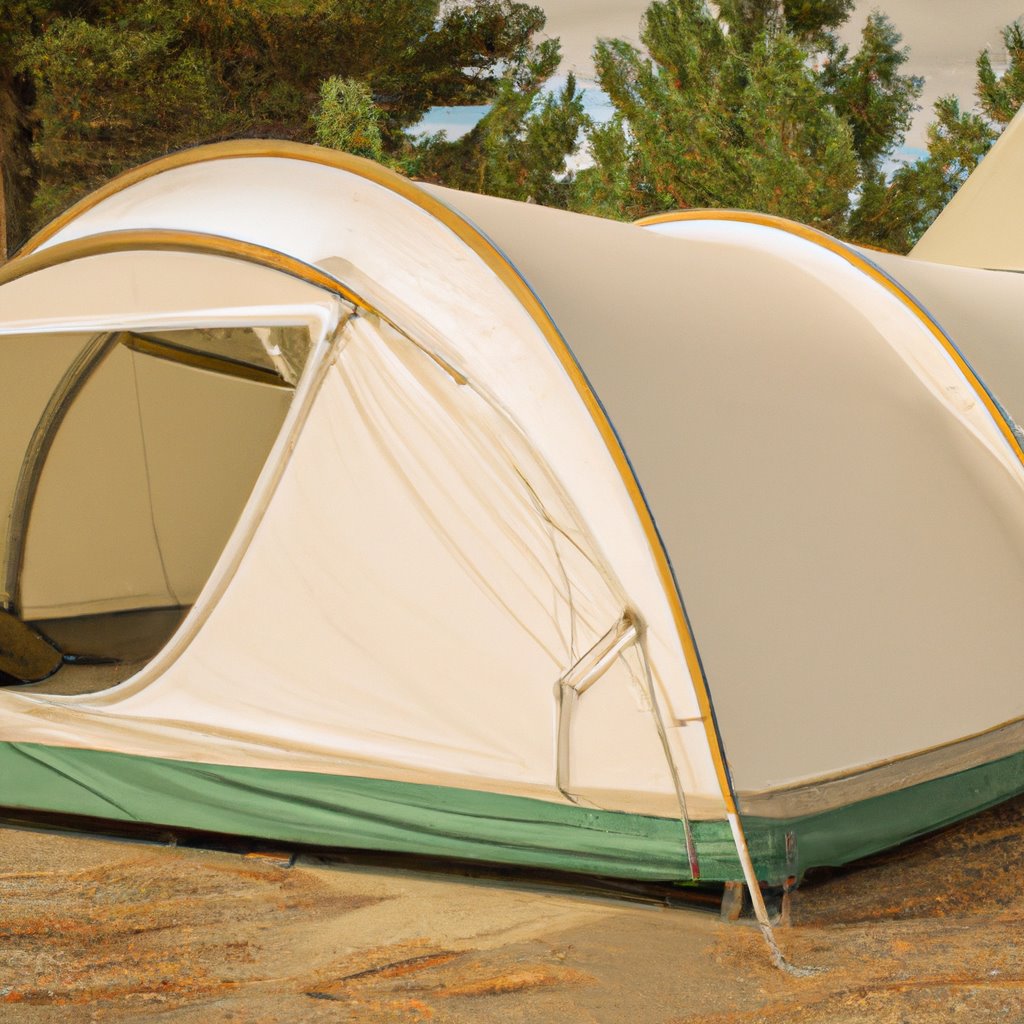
<point>103,650</point>
<point>113,636</point>
<point>74,678</point>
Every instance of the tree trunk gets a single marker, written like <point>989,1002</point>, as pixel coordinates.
<point>8,127</point>
<point>17,178</point>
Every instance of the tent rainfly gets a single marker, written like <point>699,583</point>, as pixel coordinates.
<point>343,510</point>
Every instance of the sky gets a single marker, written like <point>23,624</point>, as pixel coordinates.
<point>944,36</point>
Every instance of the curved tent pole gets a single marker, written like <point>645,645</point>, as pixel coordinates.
<point>164,240</point>
<point>75,377</point>
<point>507,273</point>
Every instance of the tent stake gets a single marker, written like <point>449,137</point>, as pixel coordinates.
<point>757,899</point>
<point>732,901</point>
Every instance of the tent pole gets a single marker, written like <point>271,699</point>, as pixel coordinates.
<point>75,377</point>
<point>677,782</point>
<point>757,899</point>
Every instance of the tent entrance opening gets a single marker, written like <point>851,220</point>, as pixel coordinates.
<point>127,460</point>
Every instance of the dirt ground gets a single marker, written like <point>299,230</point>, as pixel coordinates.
<point>112,930</point>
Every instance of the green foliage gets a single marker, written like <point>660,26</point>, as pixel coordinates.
<point>19,21</point>
<point>106,96</point>
<point>610,186</point>
<point>348,119</point>
<point>106,84</point>
<point>807,21</point>
<point>869,91</point>
<point>895,214</point>
<point>751,104</point>
<point>518,150</point>
<point>719,116</point>
<point>811,21</point>
<point>1000,98</point>
<point>757,105</point>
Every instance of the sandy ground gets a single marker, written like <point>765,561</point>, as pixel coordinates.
<point>944,36</point>
<point>110,930</point>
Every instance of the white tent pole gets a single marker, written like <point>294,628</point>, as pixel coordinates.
<point>677,782</point>
<point>760,910</point>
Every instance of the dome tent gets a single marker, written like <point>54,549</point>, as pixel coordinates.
<point>302,440</point>
<point>371,656</point>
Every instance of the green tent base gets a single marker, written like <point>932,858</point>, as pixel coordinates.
<point>309,808</point>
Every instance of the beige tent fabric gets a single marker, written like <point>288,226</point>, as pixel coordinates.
<point>980,312</point>
<point>143,484</point>
<point>91,543</point>
<point>38,363</point>
<point>408,601</point>
<point>983,225</point>
<point>159,290</point>
<point>477,326</point>
<point>207,437</point>
<point>806,448</point>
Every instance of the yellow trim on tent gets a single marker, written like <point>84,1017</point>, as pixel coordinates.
<point>506,273</point>
<point>826,241</point>
<point>163,240</point>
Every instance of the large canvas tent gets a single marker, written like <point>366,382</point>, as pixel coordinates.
<point>415,520</point>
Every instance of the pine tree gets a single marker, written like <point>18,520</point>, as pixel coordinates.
<point>756,106</point>
<point>1001,97</point>
<point>348,119</point>
<point>106,84</point>
<point>894,214</point>
<point>518,150</point>
<point>20,20</point>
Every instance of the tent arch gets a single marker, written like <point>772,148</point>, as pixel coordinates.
<point>92,356</point>
<point>298,305</point>
<point>512,279</point>
<point>915,764</point>
<point>163,240</point>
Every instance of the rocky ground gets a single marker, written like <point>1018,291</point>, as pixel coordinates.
<point>111,930</point>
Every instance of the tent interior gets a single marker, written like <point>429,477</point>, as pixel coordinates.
<point>127,459</point>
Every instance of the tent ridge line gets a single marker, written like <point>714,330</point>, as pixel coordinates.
<point>233,149</point>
